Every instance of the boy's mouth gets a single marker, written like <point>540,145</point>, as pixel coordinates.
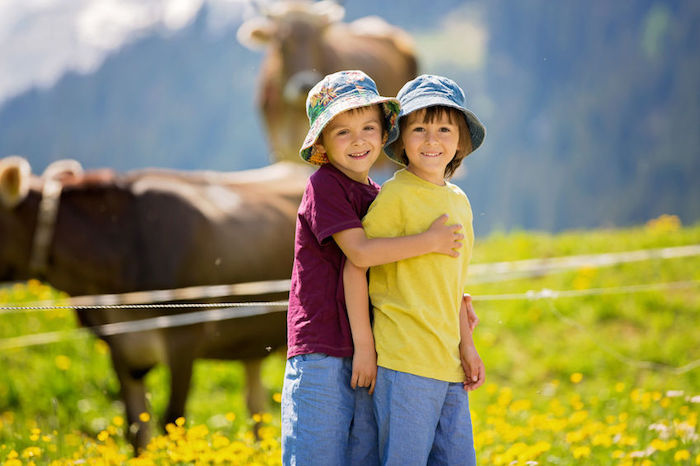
<point>431,154</point>
<point>359,155</point>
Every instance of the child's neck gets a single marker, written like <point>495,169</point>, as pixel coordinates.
<point>360,177</point>
<point>434,178</point>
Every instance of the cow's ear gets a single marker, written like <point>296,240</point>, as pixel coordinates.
<point>256,33</point>
<point>14,180</point>
<point>331,10</point>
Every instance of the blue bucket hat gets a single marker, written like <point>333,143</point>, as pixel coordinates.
<point>335,94</point>
<point>428,90</point>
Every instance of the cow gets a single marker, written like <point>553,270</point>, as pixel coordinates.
<point>156,229</point>
<point>306,41</point>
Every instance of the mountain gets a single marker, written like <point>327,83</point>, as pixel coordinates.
<point>592,108</point>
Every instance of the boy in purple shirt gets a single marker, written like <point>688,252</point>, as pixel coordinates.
<point>327,413</point>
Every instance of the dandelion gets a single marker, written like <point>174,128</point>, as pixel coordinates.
<point>277,397</point>
<point>62,362</point>
<point>681,455</point>
<point>101,347</point>
<point>582,452</point>
<point>144,417</point>
<point>520,405</point>
<point>31,452</point>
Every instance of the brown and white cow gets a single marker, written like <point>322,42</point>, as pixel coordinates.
<point>306,41</point>
<point>157,229</point>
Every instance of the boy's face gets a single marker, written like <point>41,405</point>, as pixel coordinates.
<point>353,140</point>
<point>430,146</point>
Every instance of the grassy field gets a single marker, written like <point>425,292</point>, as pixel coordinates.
<point>591,379</point>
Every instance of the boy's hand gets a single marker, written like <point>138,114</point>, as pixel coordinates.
<point>471,315</point>
<point>445,238</point>
<point>473,366</point>
<point>364,368</point>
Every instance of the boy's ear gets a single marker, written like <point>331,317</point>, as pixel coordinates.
<point>318,147</point>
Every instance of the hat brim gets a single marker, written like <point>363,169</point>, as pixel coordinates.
<point>477,131</point>
<point>390,107</point>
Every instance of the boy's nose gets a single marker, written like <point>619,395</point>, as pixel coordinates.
<point>431,137</point>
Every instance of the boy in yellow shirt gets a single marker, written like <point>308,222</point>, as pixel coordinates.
<point>426,357</point>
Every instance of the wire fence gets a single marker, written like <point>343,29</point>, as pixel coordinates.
<point>223,311</point>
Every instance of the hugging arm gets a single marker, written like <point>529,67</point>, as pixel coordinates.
<point>367,252</point>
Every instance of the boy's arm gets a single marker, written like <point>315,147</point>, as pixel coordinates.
<point>367,252</point>
<point>471,315</point>
<point>364,360</point>
<point>471,362</point>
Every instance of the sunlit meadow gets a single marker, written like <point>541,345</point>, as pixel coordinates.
<point>593,379</point>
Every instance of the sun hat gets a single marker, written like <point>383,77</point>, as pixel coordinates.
<point>335,94</point>
<point>427,90</point>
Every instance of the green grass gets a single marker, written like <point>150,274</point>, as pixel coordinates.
<point>563,375</point>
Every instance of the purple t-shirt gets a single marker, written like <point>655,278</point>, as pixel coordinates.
<point>317,320</point>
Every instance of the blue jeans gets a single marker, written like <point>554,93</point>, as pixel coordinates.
<point>325,421</point>
<point>422,421</point>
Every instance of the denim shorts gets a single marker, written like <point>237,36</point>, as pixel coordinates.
<point>324,421</point>
<point>422,421</point>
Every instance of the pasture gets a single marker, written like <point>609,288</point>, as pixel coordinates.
<point>595,378</point>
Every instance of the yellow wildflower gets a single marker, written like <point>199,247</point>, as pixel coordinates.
<point>582,452</point>
<point>62,362</point>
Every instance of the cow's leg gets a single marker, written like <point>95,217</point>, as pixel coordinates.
<point>180,379</point>
<point>133,393</point>
<point>255,392</point>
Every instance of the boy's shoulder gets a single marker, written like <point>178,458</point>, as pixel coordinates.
<point>325,180</point>
<point>455,189</point>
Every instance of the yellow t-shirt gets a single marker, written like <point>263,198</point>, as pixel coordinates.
<point>416,301</point>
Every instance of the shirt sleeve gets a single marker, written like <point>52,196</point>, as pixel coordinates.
<point>384,218</point>
<point>329,208</point>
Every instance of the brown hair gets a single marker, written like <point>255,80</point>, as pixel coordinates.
<point>430,114</point>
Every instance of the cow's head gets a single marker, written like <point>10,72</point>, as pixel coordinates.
<point>15,236</point>
<point>293,31</point>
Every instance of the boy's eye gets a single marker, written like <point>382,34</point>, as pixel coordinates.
<point>342,132</point>
<point>370,128</point>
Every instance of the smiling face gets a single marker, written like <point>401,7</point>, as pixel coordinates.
<point>353,140</point>
<point>430,144</point>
